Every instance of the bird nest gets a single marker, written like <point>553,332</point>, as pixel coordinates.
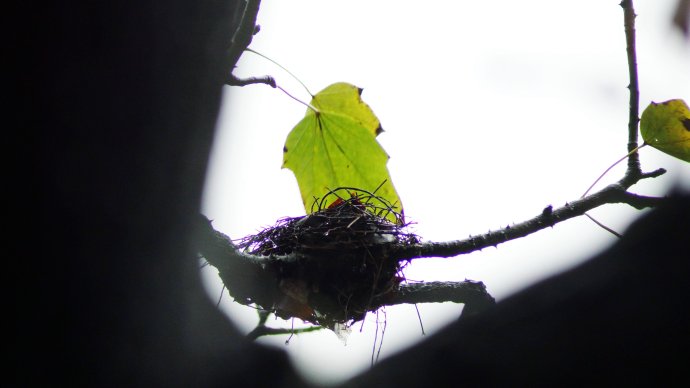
<point>333,265</point>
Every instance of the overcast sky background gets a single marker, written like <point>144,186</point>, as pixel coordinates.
<point>491,111</point>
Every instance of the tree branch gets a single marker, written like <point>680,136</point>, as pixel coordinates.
<point>633,117</point>
<point>267,79</point>
<point>472,294</point>
<point>549,217</point>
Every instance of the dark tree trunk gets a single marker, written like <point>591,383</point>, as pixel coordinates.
<point>122,99</point>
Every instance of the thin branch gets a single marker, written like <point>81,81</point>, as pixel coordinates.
<point>549,217</point>
<point>467,292</point>
<point>472,294</point>
<point>235,81</point>
<point>634,172</point>
<point>652,174</point>
<point>640,202</point>
<point>634,87</point>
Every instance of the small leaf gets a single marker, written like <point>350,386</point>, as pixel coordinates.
<point>666,127</point>
<point>336,147</point>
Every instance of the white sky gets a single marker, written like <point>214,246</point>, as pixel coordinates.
<point>491,110</point>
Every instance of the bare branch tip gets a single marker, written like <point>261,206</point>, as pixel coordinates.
<point>235,81</point>
<point>653,174</point>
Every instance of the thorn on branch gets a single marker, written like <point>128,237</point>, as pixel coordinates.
<point>547,211</point>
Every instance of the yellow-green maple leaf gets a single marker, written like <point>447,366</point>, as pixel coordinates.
<point>335,146</point>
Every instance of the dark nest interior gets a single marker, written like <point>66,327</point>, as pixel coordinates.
<point>332,266</point>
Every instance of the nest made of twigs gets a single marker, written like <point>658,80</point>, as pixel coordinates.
<point>339,265</point>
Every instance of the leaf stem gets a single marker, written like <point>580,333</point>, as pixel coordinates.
<point>282,67</point>
<point>610,167</point>
<point>298,100</point>
<point>606,228</point>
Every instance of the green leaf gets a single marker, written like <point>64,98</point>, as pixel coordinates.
<point>336,147</point>
<point>666,127</point>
